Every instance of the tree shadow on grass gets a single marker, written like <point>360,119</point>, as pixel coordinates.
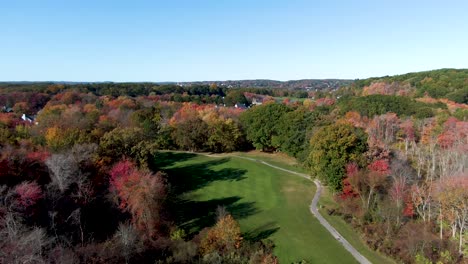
<point>193,213</point>
<point>193,216</point>
<point>196,176</point>
<point>166,159</point>
<point>262,232</point>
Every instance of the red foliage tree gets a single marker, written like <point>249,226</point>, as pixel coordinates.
<point>366,183</point>
<point>37,156</point>
<point>121,169</point>
<point>28,194</point>
<point>407,127</point>
<point>409,208</point>
<point>7,119</point>
<point>455,134</point>
<point>398,190</point>
<point>348,190</point>
<point>352,170</point>
<point>140,193</point>
<point>25,198</point>
<point>381,167</point>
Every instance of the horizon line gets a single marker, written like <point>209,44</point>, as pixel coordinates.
<point>228,80</point>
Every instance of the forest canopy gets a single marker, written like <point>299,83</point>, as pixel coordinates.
<point>78,172</point>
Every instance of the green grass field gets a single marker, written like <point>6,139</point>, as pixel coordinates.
<point>268,203</point>
<point>292,99</point>
<point>327,201</point>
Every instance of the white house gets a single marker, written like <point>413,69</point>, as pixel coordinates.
<point>25,117</point>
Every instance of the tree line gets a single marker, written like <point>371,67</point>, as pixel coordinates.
<point>443,83</point>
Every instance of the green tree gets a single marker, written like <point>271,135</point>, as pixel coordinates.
<point>224,136</point>
<point>459,96</point>
<point>234,97</point>
<point>261,124</point>
<point>149,120</point>
<point>331,148</point>
<point>293,128</point>
<point>120,142</point>
<point>191,133</point>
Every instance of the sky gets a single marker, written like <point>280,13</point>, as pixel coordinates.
<point>195,40</point>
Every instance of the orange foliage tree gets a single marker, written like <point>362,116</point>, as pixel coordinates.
<point>224,237</point>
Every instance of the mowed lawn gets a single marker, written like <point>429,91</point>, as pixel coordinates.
<point>268,203</point>
<point>326,201</point>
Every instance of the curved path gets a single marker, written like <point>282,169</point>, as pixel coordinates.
<point>313,209</point>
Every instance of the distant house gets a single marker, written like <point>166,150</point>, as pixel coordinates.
<point>28,118</point>
<point>7,109</point>
<point>240,106</point>
<point>255,101</point>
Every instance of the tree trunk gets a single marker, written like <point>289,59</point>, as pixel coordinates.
<point>368,198</point>
<point>454,230</point>
<point>406,148</point>
<point>441,226</point>
<point>461,241</point>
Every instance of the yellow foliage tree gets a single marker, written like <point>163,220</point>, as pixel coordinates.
<point>224,237</point>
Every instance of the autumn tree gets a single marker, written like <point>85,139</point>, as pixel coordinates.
<point>422,196</point>
<point>58,139</point>
<point>191,133</point>
<point>26,196</point>
<point>331,148</point>
<point>224,135</point>
<point>223,238</point>
<point>140,193</point>
<point>401,175</point>
<point>19,243</point>
<point>376,177</point>
<point>366,183</point>
<point>120,141</point>
<point>127,240</point>
<point>189,129</point>
<point>453,196</point>
<point>382,130</point>
<point>355,119</point>
<point>407,133</point>
<point>65,167</point>
<point>63,170</point>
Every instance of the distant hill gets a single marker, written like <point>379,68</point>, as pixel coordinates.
<point>310,84</point>
<point>444,83</point>
<point>318,84</point>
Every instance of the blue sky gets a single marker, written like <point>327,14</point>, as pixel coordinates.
<point>175,40</point>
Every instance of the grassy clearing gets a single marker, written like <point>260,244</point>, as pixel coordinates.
<point>268,203</point>
<point>292,99</point>
<point>278,159</point>
<point>327,201</point>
